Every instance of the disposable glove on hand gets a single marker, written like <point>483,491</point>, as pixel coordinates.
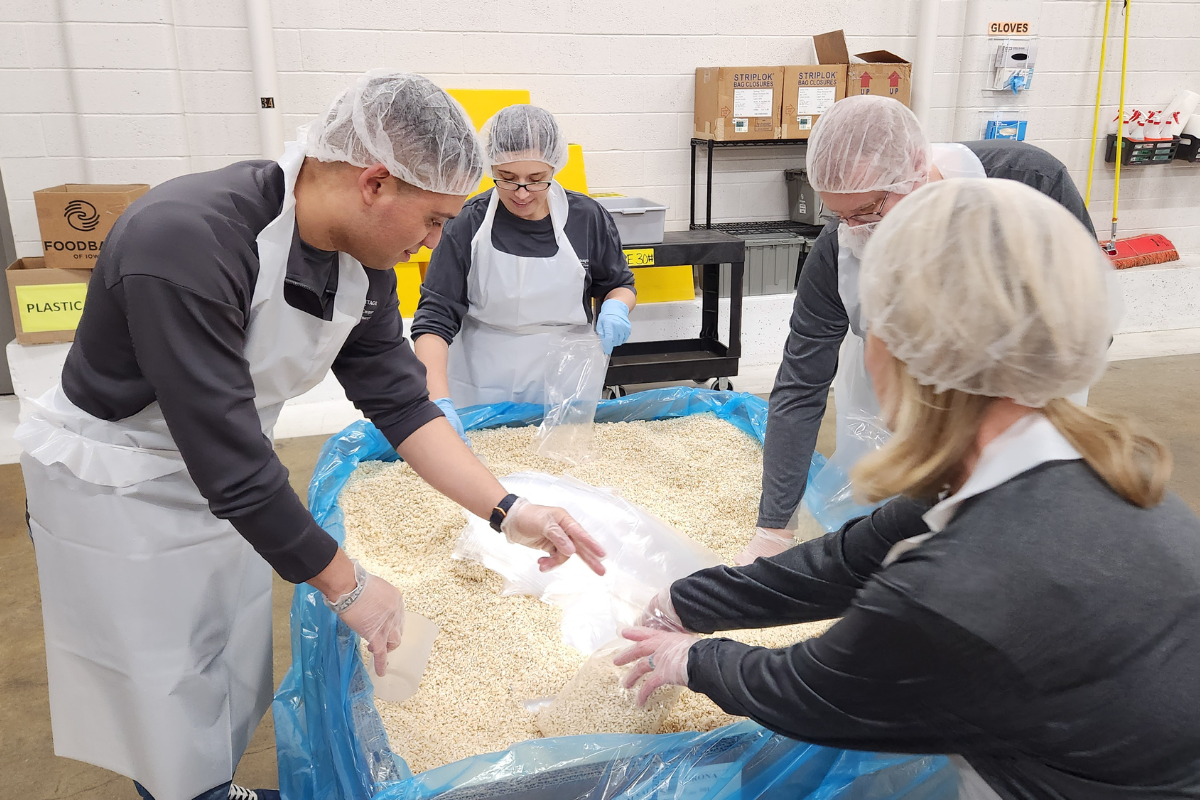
<point>766,542</point>
<point>660,615</point>
<point>377,615</point>
<point>552,530</point>
<point>447,407</point>
<point>661,654</point>
<point>613,325</point>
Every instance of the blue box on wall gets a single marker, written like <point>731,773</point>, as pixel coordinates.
<point>1006,129</point>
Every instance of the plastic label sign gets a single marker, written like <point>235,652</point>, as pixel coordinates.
<point>1008,28</point>
<point>643,257</point>
<point>50,306</point>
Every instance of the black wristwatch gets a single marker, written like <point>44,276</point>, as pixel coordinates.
<point>501,511</point>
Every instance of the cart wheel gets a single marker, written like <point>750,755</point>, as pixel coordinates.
<point>721,385</point>
<point>613,392</point>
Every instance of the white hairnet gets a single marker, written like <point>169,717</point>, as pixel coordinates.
<point>408,124</point>
<point>991,288</point>
<point>524,133</point>
<point>868,143</point>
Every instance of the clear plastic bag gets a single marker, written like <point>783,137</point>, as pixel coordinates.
<point>644,555</point>
<point>860,430</point>
<point>594,701</point>
<point>575,368</point>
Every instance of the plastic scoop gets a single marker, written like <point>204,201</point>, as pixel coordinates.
<point>406,664</point>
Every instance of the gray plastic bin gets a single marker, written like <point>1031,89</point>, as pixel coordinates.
<point>771,262</point>
<point>804,204</point>
<point>639,221</point>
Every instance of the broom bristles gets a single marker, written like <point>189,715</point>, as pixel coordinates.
<point>1143,251</point>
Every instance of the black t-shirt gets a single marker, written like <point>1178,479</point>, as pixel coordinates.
<point>589,228</point>
<point>166,320</point>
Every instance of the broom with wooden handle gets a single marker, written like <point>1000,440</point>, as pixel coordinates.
<point>1148,248</point>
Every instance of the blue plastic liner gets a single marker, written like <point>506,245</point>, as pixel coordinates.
<point>331,743</point>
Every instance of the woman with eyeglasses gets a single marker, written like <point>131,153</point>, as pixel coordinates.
<point>520,260</point>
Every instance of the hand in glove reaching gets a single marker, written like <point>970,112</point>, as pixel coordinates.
<point>766,542</point>
<point>553,530</point>
<point>374,610</point>
<point>662,654</point>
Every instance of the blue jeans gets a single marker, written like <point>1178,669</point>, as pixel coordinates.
<point>219,793</point>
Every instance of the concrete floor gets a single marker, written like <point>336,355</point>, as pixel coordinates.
<point>1161,392</point>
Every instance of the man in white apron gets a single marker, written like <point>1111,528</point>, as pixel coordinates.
<point>865,155</point>
<point>524,260</point>
<point>157,506</point>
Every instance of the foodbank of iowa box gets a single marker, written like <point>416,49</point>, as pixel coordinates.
<point>75,219</point>
<point>738,103</point>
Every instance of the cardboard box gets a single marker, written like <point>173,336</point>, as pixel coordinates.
<point>738,103</point>
<point>808,92</point>
<point>883,73</point>
<point>75,218</point>
<point>46,302</point>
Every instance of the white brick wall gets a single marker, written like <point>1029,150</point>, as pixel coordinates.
<point>142,90</point>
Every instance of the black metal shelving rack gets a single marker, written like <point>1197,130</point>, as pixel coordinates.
<point>742,228</point>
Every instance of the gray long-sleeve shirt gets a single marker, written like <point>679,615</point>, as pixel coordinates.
<point>166,320</point>
<point>1047,634</point>
<point>819,323</point>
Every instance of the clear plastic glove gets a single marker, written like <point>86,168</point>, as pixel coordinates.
<point>553,530</point>
<point>660,615</point>
<point>766,542</point>
<point>662,654</point>
<point>377,615</point>
<point>447,407</point>
<point>613,325</point>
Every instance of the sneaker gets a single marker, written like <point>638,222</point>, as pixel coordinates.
<point>242,793</point>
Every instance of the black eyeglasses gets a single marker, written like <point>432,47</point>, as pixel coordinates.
<point>512,186</point>
<point>869,217</point>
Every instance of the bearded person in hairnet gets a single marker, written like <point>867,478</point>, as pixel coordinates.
<point>866,154</point>
<point>157,505</point>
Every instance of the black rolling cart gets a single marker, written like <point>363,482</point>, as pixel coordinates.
<point>707,244</point>
<point>704,358</point>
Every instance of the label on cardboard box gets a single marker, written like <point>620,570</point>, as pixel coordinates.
<point>51,306</point>
<point>753,102</point>
<point>814,100</point>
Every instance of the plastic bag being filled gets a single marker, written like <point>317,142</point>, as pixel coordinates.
<point>575,368</point>
<point>644,555</point>
<point>593,701</point>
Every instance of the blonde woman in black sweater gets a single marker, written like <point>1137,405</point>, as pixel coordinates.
<point>1031,604</point>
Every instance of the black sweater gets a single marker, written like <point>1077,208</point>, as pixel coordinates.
<point>166,319</point>
<point>1050,634</point>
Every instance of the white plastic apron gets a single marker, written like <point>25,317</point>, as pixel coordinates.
<point>514,303</point>
<point>859,426</point>
<point>157,614</point>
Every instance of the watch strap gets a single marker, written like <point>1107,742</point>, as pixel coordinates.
<point>501,511</point>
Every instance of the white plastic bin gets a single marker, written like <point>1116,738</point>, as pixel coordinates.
<point>639,221</point>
